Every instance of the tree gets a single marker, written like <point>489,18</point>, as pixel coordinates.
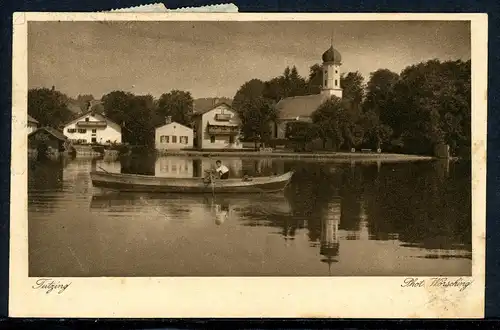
<point>250,90</point>
<point>300,132</point>
<point>117,106</point>
<point>290,83</point>
<point>380,93</point>
<point>83,101</point>
<point>178,105</point>
<point>49,107</point>
<point>296,84</point>
<point>315,81</point>
<point>135,114</point>
<point>375,132</point>
<point>433,99</point>
<point>140,128</point>
<point>352,90</point>
<point>256,115</point>
<point>331,122</point>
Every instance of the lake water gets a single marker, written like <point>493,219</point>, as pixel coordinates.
<point>363,219</point>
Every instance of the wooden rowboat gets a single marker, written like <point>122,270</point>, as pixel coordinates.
<point>147,183</point>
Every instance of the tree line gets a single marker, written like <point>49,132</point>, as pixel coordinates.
<point>138,115</point>
<point>426,104</point>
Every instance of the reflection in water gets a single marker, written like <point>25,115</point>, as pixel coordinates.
<point>366,219</point>
<point>221,213</point>
<point>330,233</point>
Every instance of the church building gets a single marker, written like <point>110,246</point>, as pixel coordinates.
<point>300,108</point>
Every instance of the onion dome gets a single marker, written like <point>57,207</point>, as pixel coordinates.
<point>332,55</point>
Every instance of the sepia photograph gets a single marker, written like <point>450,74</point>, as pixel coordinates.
<point>220,147</point>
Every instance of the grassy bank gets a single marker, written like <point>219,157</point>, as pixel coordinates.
<point>346,156</point>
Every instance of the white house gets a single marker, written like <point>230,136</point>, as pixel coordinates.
<point>217,128</point>
<point>32,124</point>
<point>173,136</point>
<point>93,127</point>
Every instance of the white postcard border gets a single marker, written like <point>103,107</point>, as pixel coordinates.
<point>347,297</point>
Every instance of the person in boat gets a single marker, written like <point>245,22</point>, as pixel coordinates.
<point>222,170</point>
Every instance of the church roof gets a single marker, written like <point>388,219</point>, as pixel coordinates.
<point>332,55</point>
<point>299,107</point>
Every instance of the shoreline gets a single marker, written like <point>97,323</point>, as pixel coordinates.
<point>344,156</point>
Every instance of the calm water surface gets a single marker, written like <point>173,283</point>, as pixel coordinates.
<point>334,219</point>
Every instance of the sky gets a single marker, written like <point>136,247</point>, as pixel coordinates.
<point>213,59</point>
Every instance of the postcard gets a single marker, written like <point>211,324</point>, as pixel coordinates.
<point>248,165</point>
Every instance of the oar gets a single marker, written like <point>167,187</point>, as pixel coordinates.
<point>212,180</point>
<point>102,169</point>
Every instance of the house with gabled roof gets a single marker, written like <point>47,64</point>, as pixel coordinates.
<point>32,124</point>
<point>173,136</point>
<point>48,141</point>
<point>93,127</point>
<point>217,127</point>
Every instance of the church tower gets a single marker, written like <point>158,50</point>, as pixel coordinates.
<point>332,61</point>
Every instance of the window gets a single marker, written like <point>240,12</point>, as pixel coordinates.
<point>94,139</point>
<point>82,130</point>
<point>71,130</point>
<point>164,139</point>
<point>94,131</point>
<point>212,139</point>
<point>335,82</point>
<point>174,139</point>
<point>336,71</point>
<point>184,140</point>
<point>326,82</point>
<point>326,72</point>
<point>231,138</point>
<point>86,119</point>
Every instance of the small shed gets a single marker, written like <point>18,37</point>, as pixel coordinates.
<point>48,140</point>
<point>32,124</point>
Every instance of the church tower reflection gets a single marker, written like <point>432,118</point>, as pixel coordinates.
<point>364,233</point>
<point>329,242</point>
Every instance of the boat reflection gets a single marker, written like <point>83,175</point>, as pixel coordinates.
<point>220,208</point>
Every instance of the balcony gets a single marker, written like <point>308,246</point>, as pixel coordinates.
<point>223,130</point>
<point>100,123</point>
